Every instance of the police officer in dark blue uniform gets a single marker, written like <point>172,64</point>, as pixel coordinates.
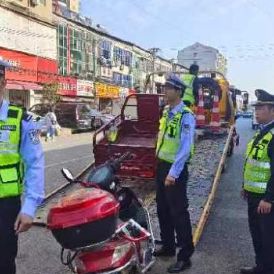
<point>174,148</point>
<point>21,172</point>
<point>258,186</point>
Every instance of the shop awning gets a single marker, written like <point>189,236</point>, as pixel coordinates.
<point>20,85</point>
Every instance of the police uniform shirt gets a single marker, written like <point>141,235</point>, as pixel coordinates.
<point>269,196</point>
<point>33,157</point>
<point>187,140</point>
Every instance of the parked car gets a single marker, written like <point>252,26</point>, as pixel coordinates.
<point>75,115</point>
<point>239,114</point>
<point>40,109</point>
<point>248,114</point>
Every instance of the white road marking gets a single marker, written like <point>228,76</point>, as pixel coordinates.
<point>68,161</point>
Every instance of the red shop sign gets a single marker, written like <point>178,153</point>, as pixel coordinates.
<point>29,68</point>
<point>47,70</point>
<point>24,66</point>
<point>67,86</point>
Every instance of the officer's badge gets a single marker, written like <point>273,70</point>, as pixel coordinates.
<point>34,136</point>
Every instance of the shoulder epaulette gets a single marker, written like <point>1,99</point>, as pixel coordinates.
<point>26,117</point>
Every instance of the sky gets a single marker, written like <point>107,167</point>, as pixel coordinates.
<point>243,30</point>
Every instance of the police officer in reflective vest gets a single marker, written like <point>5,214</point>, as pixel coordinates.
<point>191,94</point>
<point>174,148</point>
<point>21,172</point>
<point>259,186</point>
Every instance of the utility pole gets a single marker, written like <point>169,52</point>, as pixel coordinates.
<point>153,52</point>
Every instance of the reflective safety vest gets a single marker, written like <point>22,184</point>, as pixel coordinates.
<point>188,79</point>
<point>112,134</point>
<point>169,136</point>
<point>257,170</point>
<point>11,165</point>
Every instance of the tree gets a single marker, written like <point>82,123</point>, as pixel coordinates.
<point>50,94</point>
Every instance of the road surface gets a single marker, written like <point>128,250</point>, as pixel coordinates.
<point>73,152</point>
<point>224,247</point>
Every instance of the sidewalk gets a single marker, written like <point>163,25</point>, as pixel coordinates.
<point>66,140</point>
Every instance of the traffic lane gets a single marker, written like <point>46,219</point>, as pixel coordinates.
<point>74,158</point>
<point>224,247</point>
<point>226,244</point>
<point>39,253</point>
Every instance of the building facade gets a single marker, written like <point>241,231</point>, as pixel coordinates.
<point>41,9</point>
<point>206,57</point>
<point>28,42</point>
<point>62,47</point>
<point>72,5</point>
<point>114,65</point>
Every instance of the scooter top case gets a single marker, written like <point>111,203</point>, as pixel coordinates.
<point>84,218</point>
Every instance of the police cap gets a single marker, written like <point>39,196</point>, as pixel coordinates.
<point>174,81</point>
<point>263,98</point>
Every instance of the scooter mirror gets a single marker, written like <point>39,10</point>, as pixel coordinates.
<point>67,174</point>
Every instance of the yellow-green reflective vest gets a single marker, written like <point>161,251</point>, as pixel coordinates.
<point>112,134</point>
<point>188,79</point>
<point>11,166</point>
<point>169,136</point>
<point>257,170</point>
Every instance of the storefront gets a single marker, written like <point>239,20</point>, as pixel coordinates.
<point>67,88</point>
<point>85,90</point>
<point>106,93</point>
<point>26,76</point>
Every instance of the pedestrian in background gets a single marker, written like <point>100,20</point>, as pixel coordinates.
<point>174,148</point>
<point>51,121</point>
<point>258,186</point>
<point>191,80</point>
<point>22,172</point>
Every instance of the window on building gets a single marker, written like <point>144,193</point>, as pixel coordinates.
<point>77,53</point>
<point>105,49</point>
<point>117,78</point>
<point>62,49</point>
<point>127,81</point>
<point>122,56</point>
<point>128,58</point>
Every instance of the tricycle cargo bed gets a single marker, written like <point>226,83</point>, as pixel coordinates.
<point>137,134</point>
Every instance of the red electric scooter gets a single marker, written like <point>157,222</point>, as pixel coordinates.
<point>103,227</point>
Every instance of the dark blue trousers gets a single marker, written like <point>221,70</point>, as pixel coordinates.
<point>9,209</point>
<point>172,209</point>
<point>262,231</point>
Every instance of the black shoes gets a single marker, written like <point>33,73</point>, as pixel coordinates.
<point>164,252</point>
<point>179,266</point>
<point>253,270</point>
